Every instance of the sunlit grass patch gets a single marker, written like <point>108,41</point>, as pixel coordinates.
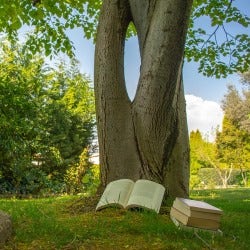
<point>71,222</point>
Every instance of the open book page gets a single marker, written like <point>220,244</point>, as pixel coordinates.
<point>146,194</point>
<point>116,193</point>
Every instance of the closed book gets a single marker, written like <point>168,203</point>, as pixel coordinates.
<point>194,221</point>
<point>198,209</point>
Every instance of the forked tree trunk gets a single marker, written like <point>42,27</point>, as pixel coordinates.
<point>146,138</point>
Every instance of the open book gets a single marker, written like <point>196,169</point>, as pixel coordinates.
<point>127,194</point>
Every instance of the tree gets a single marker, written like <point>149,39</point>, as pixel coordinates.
<point>196,143</point>
<point>154,131</point>
<point>237,107</point>
<point>233,148</point>
<point>19,116</point>
<point>74,175</point>
<point>233,142</point>
<point>245,78</point>
<point>46,119</point>
<point>70,118</point>
<point>146,138</point>
<point>204,155</point>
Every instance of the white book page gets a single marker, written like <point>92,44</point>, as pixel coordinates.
<point>146,194</point>
<point>116,192</point>
<point>198,205</point>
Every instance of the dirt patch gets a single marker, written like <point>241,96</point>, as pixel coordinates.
<point>83,205</point>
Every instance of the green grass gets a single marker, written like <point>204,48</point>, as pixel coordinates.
<point>67,223</point>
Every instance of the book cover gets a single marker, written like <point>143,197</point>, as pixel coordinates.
<point>195,229</point>
<point>127,194</point>
<point>194,221</point>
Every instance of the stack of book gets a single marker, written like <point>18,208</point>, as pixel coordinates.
<point>197,214</point>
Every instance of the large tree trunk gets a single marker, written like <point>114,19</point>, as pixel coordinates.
<point>146,138</point>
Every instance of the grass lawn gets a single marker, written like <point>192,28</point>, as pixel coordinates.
<point>70,223</point>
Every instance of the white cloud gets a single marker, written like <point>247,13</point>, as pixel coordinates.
<point>203,115</point>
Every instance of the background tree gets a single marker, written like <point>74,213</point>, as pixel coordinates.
<point>230,152</point>
<point>152,129</point>
<point>237,107</point>
<point>74,174</point>
<point>196,163</point>
<point>245,78</point>
<point>46,120</point>
<point>20,116</point>
<point>70,115</point>
<point>234,141</point>
<point>206,160</point>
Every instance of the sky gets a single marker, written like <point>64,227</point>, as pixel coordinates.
<point>203,95</point>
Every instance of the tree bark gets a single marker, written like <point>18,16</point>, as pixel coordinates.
<point>117,146</point>
<point>146,138</point>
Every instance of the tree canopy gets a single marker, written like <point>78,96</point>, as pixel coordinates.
<point>219,51</point>
<point>50,20</point>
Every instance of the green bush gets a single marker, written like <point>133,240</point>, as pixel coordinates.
<point>82,177</point>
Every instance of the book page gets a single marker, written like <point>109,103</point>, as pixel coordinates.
<point>196,205</point>
<point>116,193</point>
<point>146,194</point>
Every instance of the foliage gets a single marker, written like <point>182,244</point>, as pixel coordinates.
<point>91,180</point>
<point>82,177</point>
<point>51,224</point>
<point>231,150</point>
<point>196,163</point>
<point>51,19</point>
<point>217,56</point>
<point>204,155</point>
<point>70,113</point>
<point>46,119</point>
<point>210,178</point>
<point>237,107</point>
<point>19,117</point>
<point>234,140</point>
<point>245,78</point>
<point>233,147</point>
